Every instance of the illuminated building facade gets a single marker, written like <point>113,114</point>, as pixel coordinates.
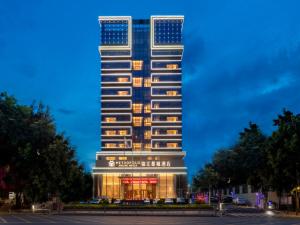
<point>141,153</point>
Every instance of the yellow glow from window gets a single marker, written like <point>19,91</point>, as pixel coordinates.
<point>110,132</point>
<point>110,119</point>
<point>147,82</point>
<point>137,64</point>
<point>137,108</point>
<point>149,158</point>
<point>156,80</point>
<point>171,93</point>
<point>172,118</point>
<point>123,93</point>
<point>122,158</point>
<point>147,134</point>
<point>147,146</point>
<point>123,132</point>
<point>137,121</point>
<point>147,122</point>
<point>137,82</point>
<point>172,145</point>
<point>156,106</point>
<point>147,108</point>
<point>121,145</point>
<point>137,146</point>
<point>172,66</point>
<point>156,132</point>
<point>123,79</point>
<point>110,158</point>
<point>172,132</point>
<point>110,145</point>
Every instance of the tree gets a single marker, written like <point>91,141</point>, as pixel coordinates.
<point>40,162</point>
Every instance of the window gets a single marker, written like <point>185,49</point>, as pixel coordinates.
<point>171,93</point>
<point>122,158</point>
<point>123,93</point>
<point>147,134</point>
<point>110,145</point>
<point>121,145</point>
<point>137,121</point>
<point>137,82</point>
<point>156,106</point>
<point>147,82</point>
<point>137,64</point>
<point>156,80</point>
<point>172,132</point>
<point>147,122</point>
<point>147,108</point>
<point>137,108</point>
<point>123,132</point>
<point>110,132</point>
<point>172,118</point>
<point>148,146</point>
<point>123,79</point>
<point>137,146</point>
<point>110,158</point>
<point>172,145</point>
<point>110,119</point>
<point>172,66</point>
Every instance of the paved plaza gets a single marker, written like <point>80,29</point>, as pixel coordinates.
<point>239,219</point>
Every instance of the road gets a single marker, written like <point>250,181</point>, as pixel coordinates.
<point>238,219</point>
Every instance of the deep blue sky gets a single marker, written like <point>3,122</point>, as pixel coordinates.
<point>241,64</point>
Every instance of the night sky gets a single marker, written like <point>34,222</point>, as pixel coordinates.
<point>241,64</point>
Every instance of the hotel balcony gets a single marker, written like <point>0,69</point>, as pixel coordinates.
<point>116,118</point>
<point>116,80</point>
<point>166,79</point>
<point>165,144</point>
<point>116,131</point>
<point>166,118</point>
<point>116,144</point>
<point>163,131</point>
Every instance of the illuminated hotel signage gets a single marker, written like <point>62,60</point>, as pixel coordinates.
<point>139,180</point>
<point>121,163</point>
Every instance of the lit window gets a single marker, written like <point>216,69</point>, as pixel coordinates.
<point>172,145</point>
<point>137,108</point>
<point>123,132</point>
<point>147,134</point>
<point>110,145</point>
<point>137,121</point>
<point>172,66</point>
<point>156,132</point>
<point>147,82</point>
<point>137,64</point>
<point>122,158</point>
<point>110,119</point>
<point>110,158</point>
<point>156,145</point>
<point>123,79</point>
<point>147,146</point>
<point>149,158</point>
<point>137,82</point>
<point>156,79</point>
<point>110,132</point>
<point>123,93</point>
<point>172,132</point>
<point>147,122</point>
<point>147,108</point>
<point>172,118</point>
<point>171,93</point>
<point>121,145</point>
<point>137,146</point>
<point>156,106</point>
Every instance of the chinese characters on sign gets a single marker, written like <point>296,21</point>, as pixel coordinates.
<point>113,163</point>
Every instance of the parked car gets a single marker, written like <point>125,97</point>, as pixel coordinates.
<point>117,201</point>
<point>169,201</point>
<point>180,200</point>
<point>95,201</point>
<point>214,199</point>
<point>147,201</point>
<point>227,199</point>
<point>240,201</point>
<point>155,201</point>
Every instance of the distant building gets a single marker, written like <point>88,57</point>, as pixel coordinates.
<point>141,153</point>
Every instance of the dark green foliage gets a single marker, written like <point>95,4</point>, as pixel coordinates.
<point>40,162</point>
<point>258,160</point>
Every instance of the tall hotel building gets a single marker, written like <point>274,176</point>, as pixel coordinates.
<point>141,153</point>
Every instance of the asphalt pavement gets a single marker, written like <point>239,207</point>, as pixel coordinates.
<point>238,219</point>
